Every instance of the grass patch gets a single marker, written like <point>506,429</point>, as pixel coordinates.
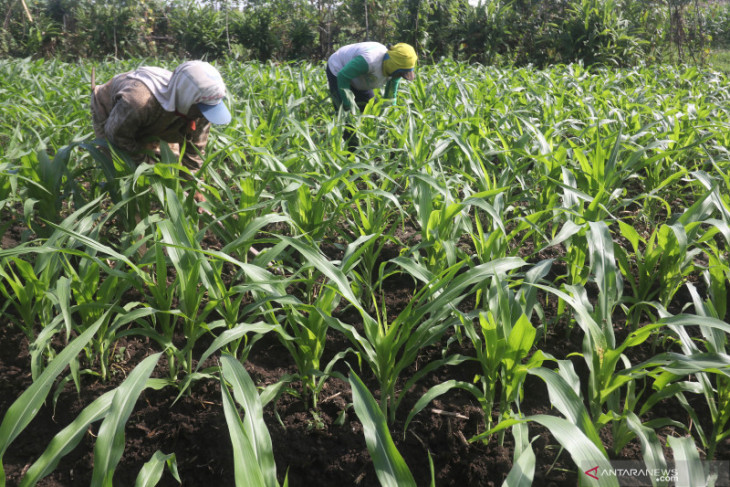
<point>720,60</point>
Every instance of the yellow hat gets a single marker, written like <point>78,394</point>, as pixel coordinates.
<point>400,58</point>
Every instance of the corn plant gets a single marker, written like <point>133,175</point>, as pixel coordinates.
<point>253,456</point>
<point>25,408</point>
<point>442,221</point>
<point>237,341</point>
<point>582,450</point>
<point>374,215</point>
<point>110,442</point>
<point>308,212</point>
<point>310,329</point>
<point>660,269</point>
<point>717,395</point>
<point>619,175</point>
<point>307,318</point>
<point>192,269</point>
<point>68,438</point>
<point>579,437</point>
<point>502,343</point>
<point>70,249</point>
<point>44,193</point>
<point>8,186</point>
<point>390,467</point>
<point>501,361</point>
<point>151,472</point>
<point>391,345</point>
<point>600,351</point>
<point>25,292</point>
<point>609,406</point>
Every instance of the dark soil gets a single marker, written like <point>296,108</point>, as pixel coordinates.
<point>310,446</point>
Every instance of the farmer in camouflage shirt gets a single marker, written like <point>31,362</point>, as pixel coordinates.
<point>136,108</point>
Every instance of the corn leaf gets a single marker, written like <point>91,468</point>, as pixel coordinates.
<point>564,398</point>
<point>583,451</point>
<point>436,391</point>
<point>651,448</point>
<point>151,472</point>
<point>110,443</point>
<point>67,439</point>
<point>254,428</point>
<point>247,470</point>
<point>687,462</point>
<point>523,470</point>
<point>24,409</point>
<point>390,467</point>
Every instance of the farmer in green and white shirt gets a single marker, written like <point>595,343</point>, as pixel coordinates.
<point>364,66</point>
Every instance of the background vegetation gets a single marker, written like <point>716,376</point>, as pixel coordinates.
<point>521,32</point>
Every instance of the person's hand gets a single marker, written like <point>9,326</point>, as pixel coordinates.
<point>198,196</point>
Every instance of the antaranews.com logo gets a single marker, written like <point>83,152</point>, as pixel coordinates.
<point>637,474</point>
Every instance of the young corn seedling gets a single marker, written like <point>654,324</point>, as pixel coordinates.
<point>609,383</point>
<point>88,292</point>
<point>599,343</point>
<point>391,345</point>
<point>68,439</point>
<point>253,455</point>
<point>500,352</point>
<point>71,251</point>
<point>24,409</point>
<point>26,293</point>
<point>193,270</point>
<point>502,343</point>
<point>239,212</point>
<point>582,450</point>
<point>489,243</point>
<point>309,328</point>
<point>717,273</point>
<point>48,183</point>
<point>391,469</point>
<point>660,270</point>
<point>716,390</point>
<point>442,222</point>
<point>308,317</point>
<point>310,209</point>
<point>109,445</point>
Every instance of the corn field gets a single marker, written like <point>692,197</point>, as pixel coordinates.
<point>518,277</point>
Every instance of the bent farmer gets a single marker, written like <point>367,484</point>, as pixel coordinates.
<point>135,108</point>
<point>364,66</point>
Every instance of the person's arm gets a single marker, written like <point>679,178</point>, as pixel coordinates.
<point>357,67</point>
<point>198,138</point>
<point>391,89</point>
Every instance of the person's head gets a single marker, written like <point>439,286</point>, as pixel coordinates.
<point>198,84</point>
<point>400,60</point>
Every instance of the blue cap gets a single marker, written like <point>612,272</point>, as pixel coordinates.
<point>217,114</point>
